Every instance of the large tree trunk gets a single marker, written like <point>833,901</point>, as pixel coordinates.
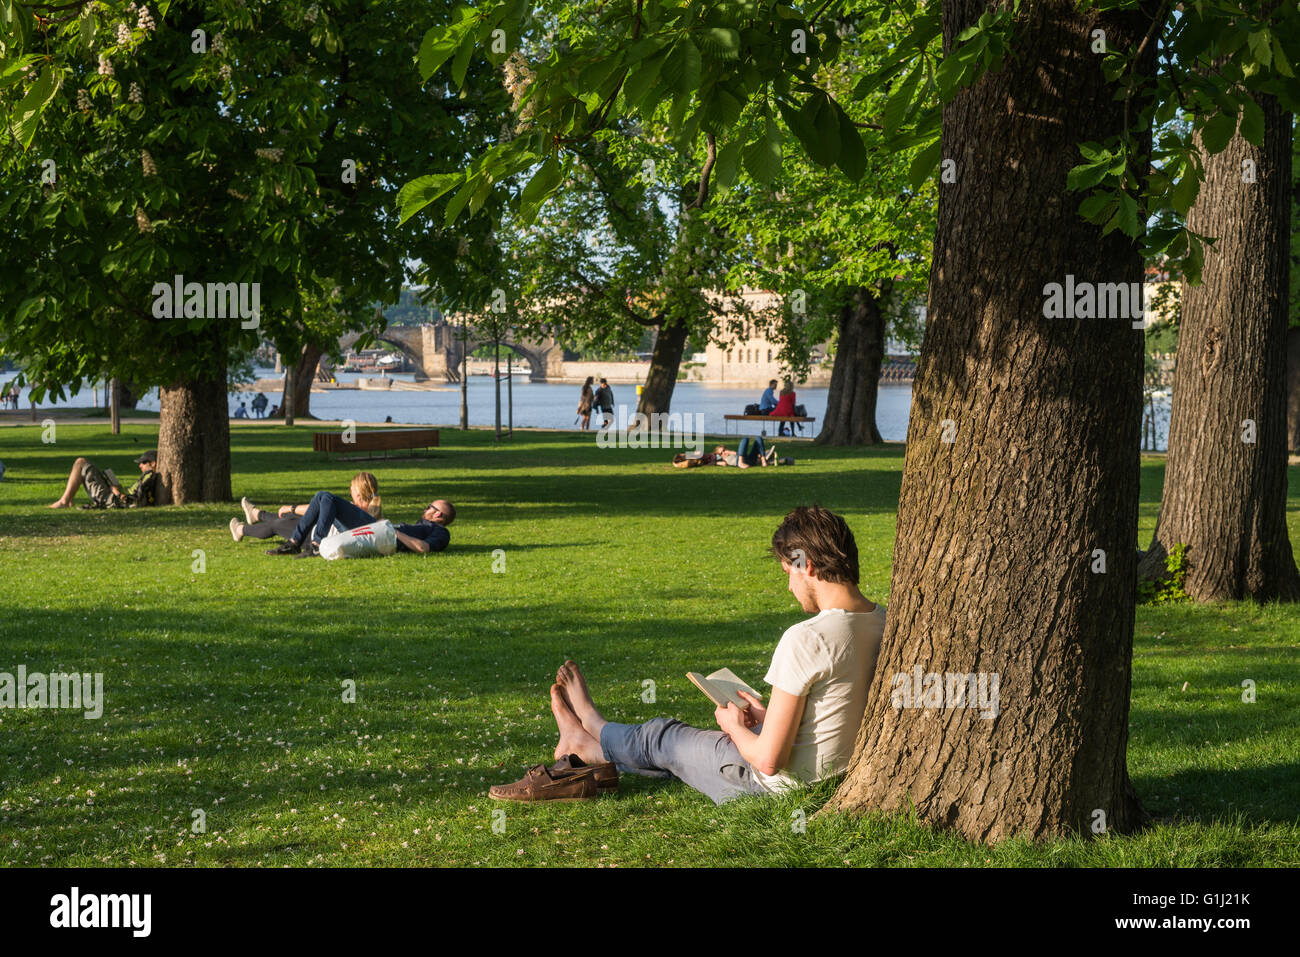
<point>855,378</point>
<point>995,559</point>
<point>1225,475</point>
<point>194,440</point>
<point>1293,390</point>
<point>657,393</point>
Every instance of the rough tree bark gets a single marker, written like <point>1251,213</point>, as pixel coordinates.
<point>661,379</point>
<point>1293,390</point>
<point>999,525</point>
<point>194,440</point>
<point>855,377</point>
<point>1225,475</point>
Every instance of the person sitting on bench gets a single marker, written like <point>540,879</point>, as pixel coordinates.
<point>785,406</point>
<point>768,402</point>
<point>820,673</point>
<point>104,491</point>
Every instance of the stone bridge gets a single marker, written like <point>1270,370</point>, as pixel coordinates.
<point>435,350</point>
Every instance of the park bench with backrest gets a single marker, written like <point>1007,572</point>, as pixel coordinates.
<point>792,419</point>
<point>382,440</point>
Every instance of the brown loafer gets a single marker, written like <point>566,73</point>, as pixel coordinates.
<point>606,774</point>
<point>540,785</point>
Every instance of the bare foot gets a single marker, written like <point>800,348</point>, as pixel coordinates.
<point>573,685</point>
<point>59,504</point>
<point>573,738</point>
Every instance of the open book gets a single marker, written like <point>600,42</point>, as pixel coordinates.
<point>723,686</point>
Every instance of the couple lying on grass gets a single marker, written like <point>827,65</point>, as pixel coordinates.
<point>304,526</point>
<point>820,672</point>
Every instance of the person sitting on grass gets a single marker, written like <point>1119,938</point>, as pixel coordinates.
<point>820,673</point>
<point>259,523</point>
<point>104,492</point>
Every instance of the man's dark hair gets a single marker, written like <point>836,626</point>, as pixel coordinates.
<point>821,539</point>
<point>771,384</point>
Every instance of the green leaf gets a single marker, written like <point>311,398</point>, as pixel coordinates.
<point>763,156</point>
<point>1128,215</point>
<point>27,111</point>
<point>461,62</point>
<point>852,158</point>
<point>900,99</point>
<point>1261,47</point>
<point>682,66</point>
<point>720,110</point>
<point>799,123</point>
<point>728,163</point>
<point>923,163</point>
<point>436,48</point>
<point>1097,206</point>
<point>1218,132</point>
<point>420,192</point>
<point>1185,192</point>
<point>1195,259</point>
<point>1086,177</point>
<point>721,42</point>
<point>539,187</point>
<point>1280,62</point>
<point>457,202</point>
<point>1252,121</point>
<point>640,81</point>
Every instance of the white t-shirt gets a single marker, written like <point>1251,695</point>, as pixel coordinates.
<point>830,658</point>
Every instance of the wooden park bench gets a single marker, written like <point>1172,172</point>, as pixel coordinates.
<point>793,419</point>
<point>385,441</point>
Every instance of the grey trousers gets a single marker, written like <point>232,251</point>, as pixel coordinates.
<point>666,748</point>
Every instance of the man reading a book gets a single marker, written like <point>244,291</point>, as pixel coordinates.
<point>820,672</point>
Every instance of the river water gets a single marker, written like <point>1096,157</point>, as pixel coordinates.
<point>552,405</point>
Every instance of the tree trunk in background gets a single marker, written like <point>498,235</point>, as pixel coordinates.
<point>194,440</point>
<point>1225,475</point>
<point>661,379</point>
<point>128,394</point>
<point>304,374</point>
<point>855,378</point>
<point>1293,390</point>
<point>999,525</point>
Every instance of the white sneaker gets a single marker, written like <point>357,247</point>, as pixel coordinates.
<point>236,530</point>
<point>248,508</point>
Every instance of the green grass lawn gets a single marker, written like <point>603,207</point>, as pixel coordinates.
<point>224,688</point>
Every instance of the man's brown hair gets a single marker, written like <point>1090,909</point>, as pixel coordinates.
<point>820,538</point>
